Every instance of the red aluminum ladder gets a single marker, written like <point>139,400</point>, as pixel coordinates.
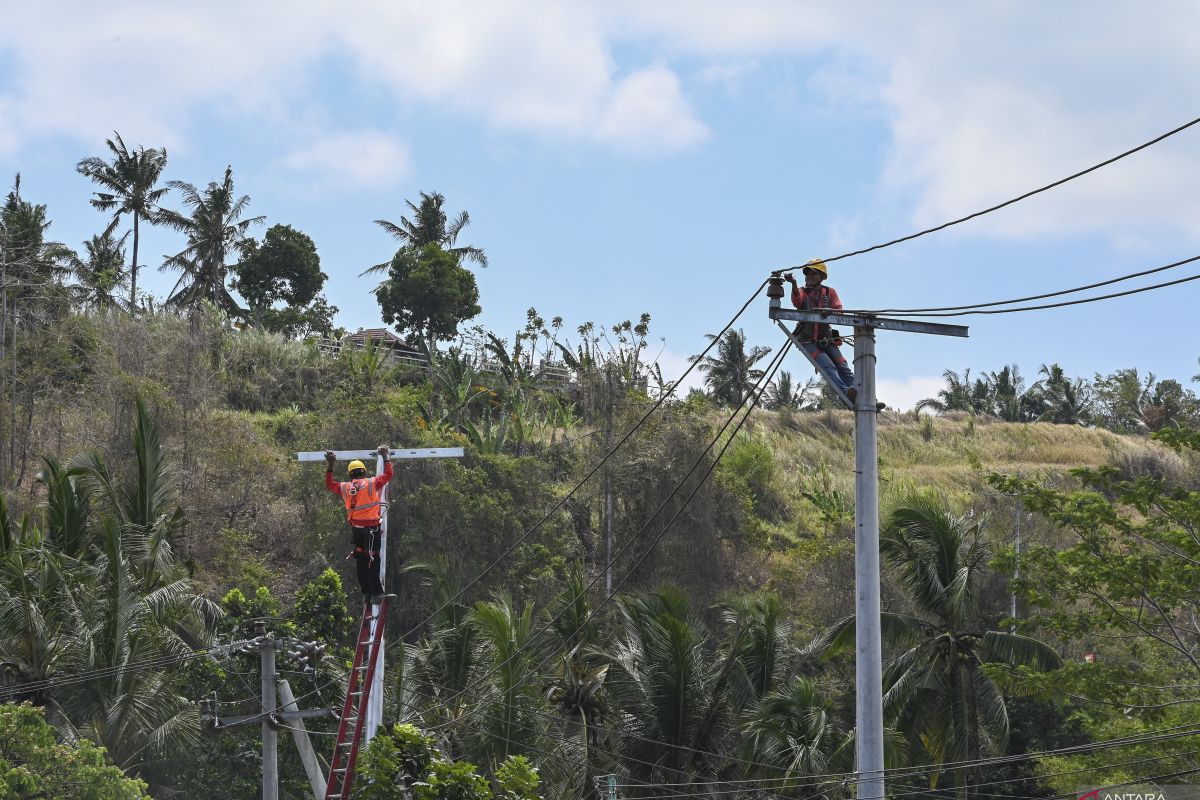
<point>354,710</point>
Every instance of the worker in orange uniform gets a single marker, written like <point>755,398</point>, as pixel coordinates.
<point>363,495</point>
<point>818,338</point>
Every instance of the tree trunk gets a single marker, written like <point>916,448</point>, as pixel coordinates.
<point>133,270</point>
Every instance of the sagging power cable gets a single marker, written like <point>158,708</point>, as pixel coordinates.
<point>596,468</point>
<point>1063,304</point>
<point>1009,202</point>
<point>1028,298</point>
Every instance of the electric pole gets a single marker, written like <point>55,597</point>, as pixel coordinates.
<point>868,711</point>
<point>270,750</point>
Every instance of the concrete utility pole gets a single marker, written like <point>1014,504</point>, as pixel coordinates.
<point>266,648</point>
<point>868,712</point>
<point>375,701</point>
<point>316,778</point>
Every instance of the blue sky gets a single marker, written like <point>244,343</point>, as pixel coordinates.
<point>661,157</point>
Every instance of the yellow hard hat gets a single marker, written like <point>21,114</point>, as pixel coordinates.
<point>819,266</point>
<point>355,464</point>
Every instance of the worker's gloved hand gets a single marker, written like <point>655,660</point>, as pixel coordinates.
<point>330,458</point>
<point>383,450</point>
<point>787,276</point>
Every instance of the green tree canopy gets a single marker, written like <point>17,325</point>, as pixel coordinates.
<point>428,293</point>
<point>33,764</point>
<point>285,269</point>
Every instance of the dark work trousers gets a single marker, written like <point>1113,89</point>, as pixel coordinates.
<point>366,559</point>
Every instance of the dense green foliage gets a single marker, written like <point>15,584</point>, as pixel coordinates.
<point>34,764</point>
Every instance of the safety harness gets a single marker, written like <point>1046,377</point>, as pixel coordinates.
<point>818,332</point>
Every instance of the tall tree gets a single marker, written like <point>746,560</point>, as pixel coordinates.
<point>285,269</point>
<point>430,225</point>
<point>428,293</point>
<point>215,230</point>
<point>730,375</point>
<point>129,186</point>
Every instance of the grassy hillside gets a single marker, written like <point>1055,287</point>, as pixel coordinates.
<point>236,407</point>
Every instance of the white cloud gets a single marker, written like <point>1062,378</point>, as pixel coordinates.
<point>902,394</point>
<point>728,76</point>
<point>647,114</point>
<point>983,100</point>
<point>367,158</point>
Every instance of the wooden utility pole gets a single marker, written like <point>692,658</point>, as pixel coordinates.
<point>868,713</point>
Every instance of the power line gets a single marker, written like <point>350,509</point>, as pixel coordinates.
<point>999,206</point>
<point>523,537</point>
<point>1063,304</point>
<point>1059,293</point>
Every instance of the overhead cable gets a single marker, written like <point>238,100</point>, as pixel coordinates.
<point>1017,199</point>
<point>1059,293</point>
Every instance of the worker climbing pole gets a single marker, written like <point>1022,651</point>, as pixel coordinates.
<point>366,500</point>
<point>860,397</point>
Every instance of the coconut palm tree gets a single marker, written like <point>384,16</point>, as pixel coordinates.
<point>430,225</point>
<point>215,230</point>
<point>959,395</point>
<point>670,692</point>
<point>1064,401</point>
<point>100,592</point>
<point>730,375</point>
<point>935,687</point>
<point>101,274</point>
<point>129,187</point>
<point>511,687</point>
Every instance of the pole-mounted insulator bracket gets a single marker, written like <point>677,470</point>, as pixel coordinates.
<point>775,287</point>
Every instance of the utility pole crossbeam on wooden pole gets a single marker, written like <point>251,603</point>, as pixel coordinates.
<point>375,700</point>
<point>868,713</point>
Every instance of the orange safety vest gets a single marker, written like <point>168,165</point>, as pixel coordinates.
<point>814,331</point>
<point>362,502</point>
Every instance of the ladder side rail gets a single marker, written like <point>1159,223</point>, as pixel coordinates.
<point>845,398</point>
<point>365,698</point>
<point>345,729</point>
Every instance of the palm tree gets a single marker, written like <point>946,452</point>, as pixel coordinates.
<point>792,729</point>
<point>100,591</point>
<point>935,687</point>
<point>671,694</point>
<point>430,225</point>
<point>1064,401</point>
<point>129,188</point>
<point>32,266</point>
<point>507,660</point>
<point>731,373</point>
<point>959,395</point>
<point>99,276</point>
<point>215,230</point>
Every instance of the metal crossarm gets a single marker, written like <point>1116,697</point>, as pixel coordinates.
<point>393,455</point>
<point>358,695</point>
<point>868,321</point>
